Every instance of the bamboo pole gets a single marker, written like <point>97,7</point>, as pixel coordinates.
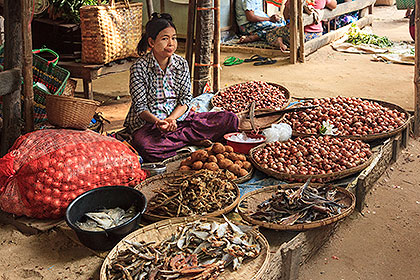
<point>189,44</point>
<point>28,93</point>
<point>150,10</point>
<point>216,47</point>
<point>12,59</point>
<point>416,73</point>
<point>293,31</point>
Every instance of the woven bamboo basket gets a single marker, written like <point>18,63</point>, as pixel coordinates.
<point>249,202</point>
<point>151,185</point>
<point>251,269</point>
<point>300,177</point>
<point>110,32</point>
<point>371,137</point>
<point>70,112</point>
<point>286,92</point>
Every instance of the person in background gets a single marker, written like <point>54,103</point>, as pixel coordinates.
<point>280,36</point>
<point>253,22</point>
<point>159,118</point>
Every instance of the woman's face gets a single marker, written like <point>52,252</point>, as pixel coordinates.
<point>165,43</point>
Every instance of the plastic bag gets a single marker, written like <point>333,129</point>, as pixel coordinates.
<point>278,132</point>
<point>45,170</point>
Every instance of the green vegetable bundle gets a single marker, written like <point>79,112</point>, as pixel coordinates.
<point>68,10</point>
<point>357,37</point>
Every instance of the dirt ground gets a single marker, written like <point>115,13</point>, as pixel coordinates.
<point>380,243</point>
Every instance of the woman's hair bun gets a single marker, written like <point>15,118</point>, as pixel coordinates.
<point>156,15</point>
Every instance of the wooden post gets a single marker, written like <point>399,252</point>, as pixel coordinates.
<point>216,47</point>
<point>189,44</point>
<point>149,5</point>
<point>416,127</point>
<point>28,93</point>
<point>204,36</point>
<point>301,30</point>
<point>293,31</point>
<point>12,58</point>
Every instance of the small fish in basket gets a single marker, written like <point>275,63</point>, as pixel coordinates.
<point>106,219</point>
<point>198,250</point>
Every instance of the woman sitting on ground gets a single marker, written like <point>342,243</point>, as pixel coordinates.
<point>280,37</point>
<point>253,22</point>
<point>160,87</point>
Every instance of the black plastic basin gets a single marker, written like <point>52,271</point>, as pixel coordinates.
<point>105,197</point>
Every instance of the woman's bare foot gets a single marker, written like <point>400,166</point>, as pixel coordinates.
<point>248,39</point>
<point>282,47</point>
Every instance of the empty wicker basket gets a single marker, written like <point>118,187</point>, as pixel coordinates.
<point>70,112</point>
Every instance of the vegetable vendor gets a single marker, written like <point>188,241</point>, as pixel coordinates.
<point>159,119</point>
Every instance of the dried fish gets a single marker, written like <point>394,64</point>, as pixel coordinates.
<point>299,205</point>
<point>195,194</point>
<point>204,253</point>
<point>106,218</point>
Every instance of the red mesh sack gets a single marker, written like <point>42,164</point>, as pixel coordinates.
<point>46,169</point>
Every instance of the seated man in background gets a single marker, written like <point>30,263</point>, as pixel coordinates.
<point>253,22</point>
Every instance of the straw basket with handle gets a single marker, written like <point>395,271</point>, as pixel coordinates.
<point>70,112</point>
<point>110,32</point>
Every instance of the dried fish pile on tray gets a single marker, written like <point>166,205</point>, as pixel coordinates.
<point>237,98</point>
<point>348,115</point>
<point>198,250</point>
<point>299,205</point>
<point>105,218</point>
<point>193,194</point>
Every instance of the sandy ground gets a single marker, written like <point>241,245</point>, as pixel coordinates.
<point>380,243</point>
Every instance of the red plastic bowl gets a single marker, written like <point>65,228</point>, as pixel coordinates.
<point>242,147</point>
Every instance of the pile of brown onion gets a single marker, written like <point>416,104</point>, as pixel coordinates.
<point>313,155</point>
<point>351,116</point>
<point>237,98</point>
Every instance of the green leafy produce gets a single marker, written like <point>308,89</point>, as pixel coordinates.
<point>357,37</point>
<point>68,10</point>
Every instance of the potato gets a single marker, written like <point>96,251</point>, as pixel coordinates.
<point>226,154</point>
<point>247,165</point>
<point>225,163</point>
<point>219,157</point>
<point>184,168</point>
<point>233,156</point>
<point>240,163</point>
<point>228,149</point>
<point>218,148</point>
<point>211,166</point>
<point>197,165</point>
<point>243,172</point>
<point>241,157</point>
<point>212,158</point>
<point>235,169</point>
<point>186,162</point>
<point>200,155</point>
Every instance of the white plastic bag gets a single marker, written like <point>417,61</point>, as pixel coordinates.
<point>278,132</point>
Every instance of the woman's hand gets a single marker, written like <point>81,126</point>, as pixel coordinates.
<point>167,125</point>
<point>172,126</point>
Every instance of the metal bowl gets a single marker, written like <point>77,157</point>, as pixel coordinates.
<point>154,168</point>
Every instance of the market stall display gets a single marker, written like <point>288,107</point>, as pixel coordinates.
<point>296,206</point>
<point>183,194</point>
<point>188,248</point>
<point>45,170</point>
<point>219,157</point>
<point>323,158</point>
<point>238,98</point>
<point>348,117</point>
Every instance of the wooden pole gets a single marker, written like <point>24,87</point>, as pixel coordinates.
<point>204,37</point>
<point>293,31</point>
<point>216,47</point>
<point>28,92</point>
<point>189,44</point>
<point>301,51</point>
<point>416,73</point>
<point>12,59</point>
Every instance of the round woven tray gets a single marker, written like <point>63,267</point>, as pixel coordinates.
<point>152,184</point>
<point>286,92</point>
<point>371,137</point>
<point>325,177</point>
<point>251,269</point>
<point>249,202</point>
